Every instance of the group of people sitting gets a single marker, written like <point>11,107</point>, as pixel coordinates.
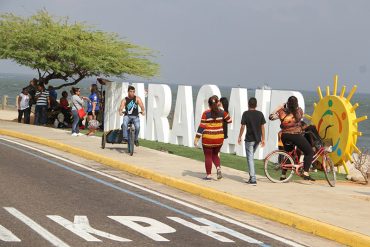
<point>48,110</point>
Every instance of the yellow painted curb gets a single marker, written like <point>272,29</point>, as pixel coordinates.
<point>297,221</point>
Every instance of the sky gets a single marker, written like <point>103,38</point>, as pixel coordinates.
<point>286,44</point>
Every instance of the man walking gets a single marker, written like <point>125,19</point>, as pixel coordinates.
<point>255,122</point>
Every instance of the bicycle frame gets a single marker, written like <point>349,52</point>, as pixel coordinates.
<point>299,164</point>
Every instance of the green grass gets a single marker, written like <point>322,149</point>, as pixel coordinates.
<point>227,160</point>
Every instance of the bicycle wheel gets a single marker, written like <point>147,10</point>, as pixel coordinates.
<point>274,166</point>
<point>103,141</point>
<point>329,171</point>
<point>131,142</point>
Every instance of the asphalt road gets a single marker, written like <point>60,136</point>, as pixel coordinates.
<point>46,201</point>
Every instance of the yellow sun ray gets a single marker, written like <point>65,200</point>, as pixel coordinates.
<point>349,157</point>
<point>335,85</point>
<point>319,92</point>
<point>349,97</point>
<point>354,107</point>
<point>327,90</point>
<point>343,91</point>
<point>314,105</point>
<point>360,119</point>
<point>357,150</point>
<point>308,117</point>
<point>344,164</point>
<point>357,133</point>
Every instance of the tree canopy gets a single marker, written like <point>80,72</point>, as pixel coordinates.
<point>58,49</point>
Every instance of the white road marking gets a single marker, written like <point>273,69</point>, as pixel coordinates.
<point>153,229</point>
<point>209,228</point>
<point>81,227</point>
<point>251,228</point>
<point>54,240</point>
<point>7,236</point>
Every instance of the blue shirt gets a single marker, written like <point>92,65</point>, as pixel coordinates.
<point>93,98</point>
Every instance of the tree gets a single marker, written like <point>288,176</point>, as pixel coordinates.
<point>58,49</point>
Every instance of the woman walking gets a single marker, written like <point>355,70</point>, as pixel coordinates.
<point>212,133</point>
<point>77,104</point>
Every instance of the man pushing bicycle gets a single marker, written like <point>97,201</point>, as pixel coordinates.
<point>131,104</point>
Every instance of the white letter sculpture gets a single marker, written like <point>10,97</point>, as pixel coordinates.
<point>183,121</point>
<point>159,106</point>
<point>238,104</point>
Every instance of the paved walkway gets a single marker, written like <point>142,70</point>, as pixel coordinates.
<point>346,206</point>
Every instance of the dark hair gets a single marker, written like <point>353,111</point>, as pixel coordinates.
<point>74,90</point>
<point>213,105</point>
<point>34,82</point>
<point>292,106</point>
<point>94,88</point>
<point>252,102</point>
<point>41,85</point>
<point>225,104</point>
<point>64,93</point>
<point>131,88</point>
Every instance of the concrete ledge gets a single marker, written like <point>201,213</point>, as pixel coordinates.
<point>297,221</point>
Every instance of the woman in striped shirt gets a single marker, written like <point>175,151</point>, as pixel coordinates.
<point>212,133</point>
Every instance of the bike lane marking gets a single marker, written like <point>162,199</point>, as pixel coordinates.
<point>229,220</point>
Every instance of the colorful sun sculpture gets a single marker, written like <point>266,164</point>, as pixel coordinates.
<point>338,112</point>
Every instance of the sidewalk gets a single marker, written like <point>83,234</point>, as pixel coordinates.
<point>346,206</point>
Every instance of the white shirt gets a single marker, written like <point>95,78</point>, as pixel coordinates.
<point>25,101</point>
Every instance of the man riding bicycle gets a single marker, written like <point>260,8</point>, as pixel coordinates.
<point>131,104</point>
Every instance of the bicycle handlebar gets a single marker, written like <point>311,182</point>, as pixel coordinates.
<point>326,130</point>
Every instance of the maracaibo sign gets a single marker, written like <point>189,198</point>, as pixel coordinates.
<point>155,125</point>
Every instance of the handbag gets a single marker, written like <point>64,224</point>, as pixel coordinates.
<point>81,112</point>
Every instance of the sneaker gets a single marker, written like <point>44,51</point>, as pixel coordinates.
<point>282,178</point>
<point>74,134</point>
<point>254,183</point>
<point>80,134</point>
<point>208,177</point>
<point>124,141</point>
<point>309,178</point>
<point>136,143</point>
<point>219,174</point>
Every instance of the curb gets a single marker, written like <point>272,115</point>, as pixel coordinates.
<point>294,220</point>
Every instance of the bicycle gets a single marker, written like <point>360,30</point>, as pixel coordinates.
<point>115,136</point>
<point>279,162</point>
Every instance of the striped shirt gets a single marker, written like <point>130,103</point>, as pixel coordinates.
<point>42,97</point>
<point>211,129</point>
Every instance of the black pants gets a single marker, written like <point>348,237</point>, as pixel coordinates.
<point>27,113</point>
<point>302,143</point>
<point>313,136</point>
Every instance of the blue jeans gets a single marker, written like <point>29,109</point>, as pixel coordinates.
<point>136,121</point>
<point>250,149</point>
<point>40,114</point>
<point>76,120</point>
